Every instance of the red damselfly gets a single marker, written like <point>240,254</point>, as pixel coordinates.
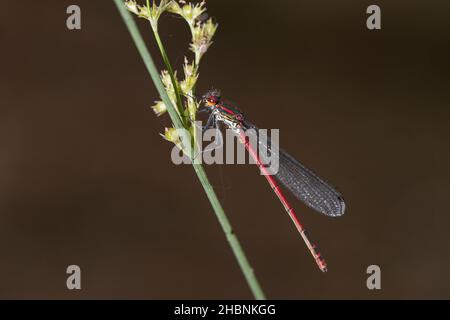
<point>299,180</point>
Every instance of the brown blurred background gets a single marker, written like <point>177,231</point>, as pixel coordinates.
<point>85,178</point>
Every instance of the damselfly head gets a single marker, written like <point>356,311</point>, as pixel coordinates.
<point>212,97</point>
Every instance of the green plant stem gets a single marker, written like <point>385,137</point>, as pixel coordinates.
<point>199,170</point>
<point>239,253</point>
<point>171,74</point>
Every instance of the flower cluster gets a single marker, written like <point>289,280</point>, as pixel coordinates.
<point>151,12</point>
<point>202,32</point>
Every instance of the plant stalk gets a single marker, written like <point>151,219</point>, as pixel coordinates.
<point>171,73</point>
<point>239,253</point>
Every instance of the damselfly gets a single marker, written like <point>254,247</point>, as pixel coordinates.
<point>301,181</point>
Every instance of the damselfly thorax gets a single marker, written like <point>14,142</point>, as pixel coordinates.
<point>231,121</point>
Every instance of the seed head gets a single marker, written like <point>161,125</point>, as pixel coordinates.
<point>190,77</point>
<point>151,12</point>
<point>159,108</point>
<point>202,34</point>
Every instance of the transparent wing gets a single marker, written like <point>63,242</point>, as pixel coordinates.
<point>298,179</point>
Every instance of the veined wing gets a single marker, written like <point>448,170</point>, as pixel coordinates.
<point>302,182</point>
